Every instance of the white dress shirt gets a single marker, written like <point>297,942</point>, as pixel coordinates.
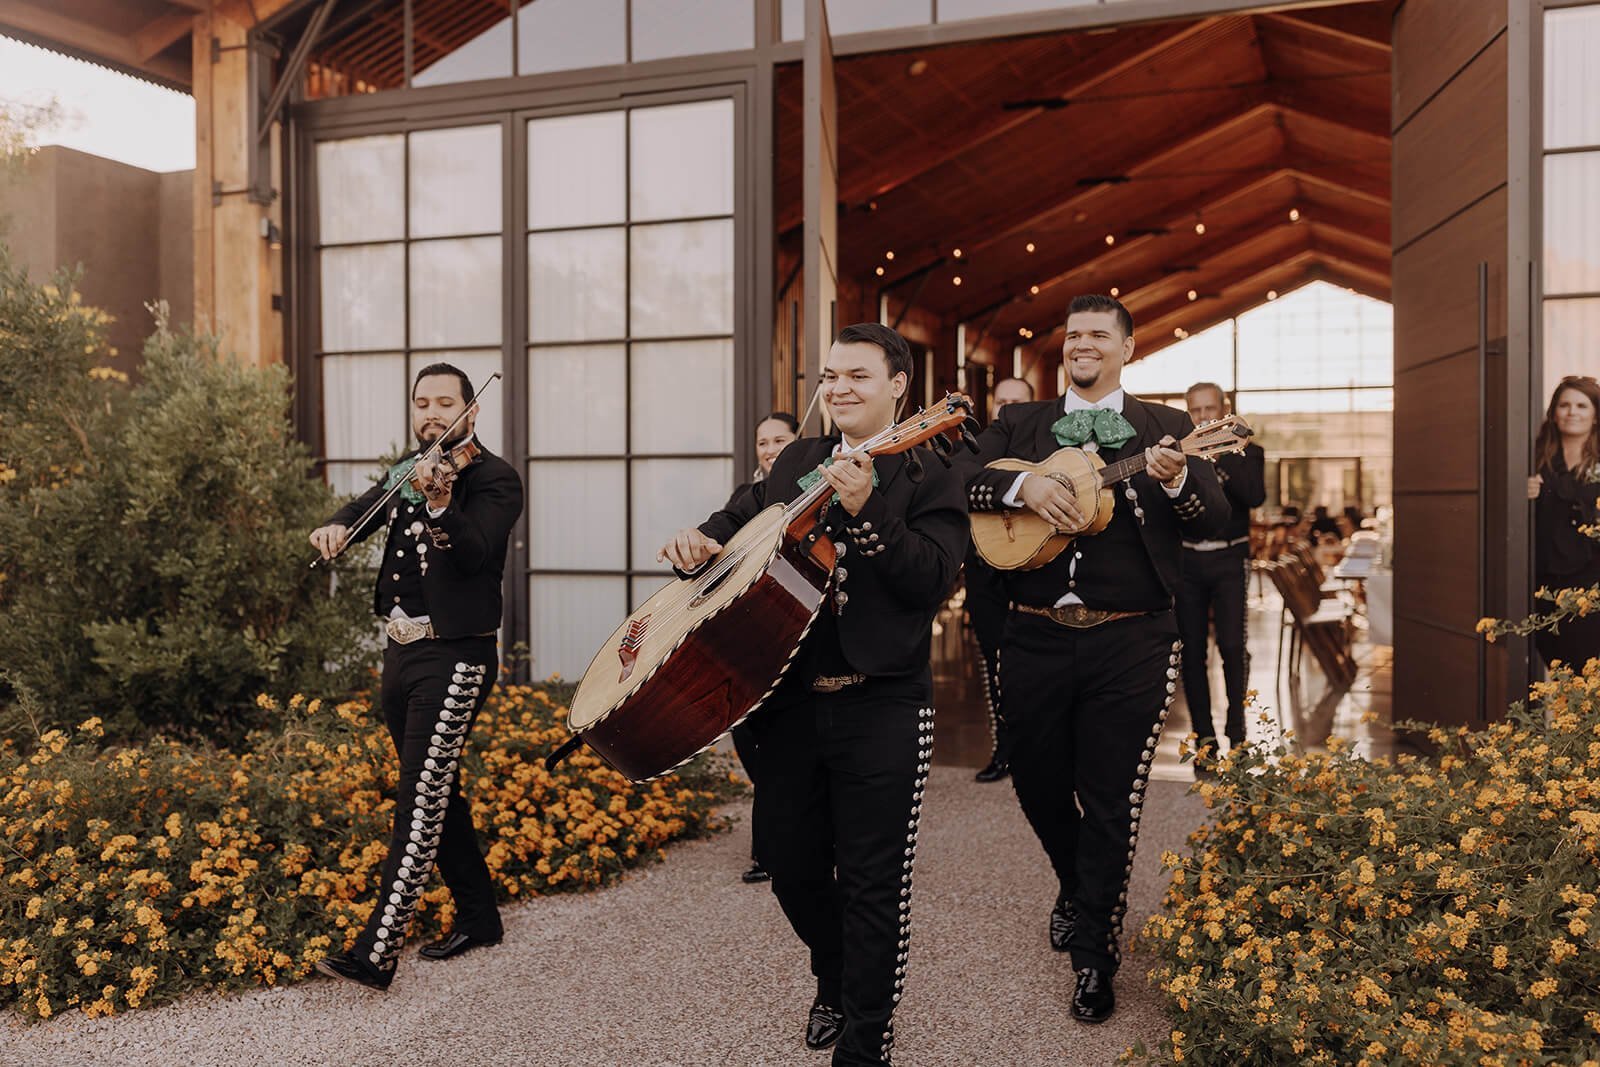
<point>1113,401</point>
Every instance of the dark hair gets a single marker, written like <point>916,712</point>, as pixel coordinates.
<point>783,417</point>
<point>1101,302</point>
<point>444,368</point>
<point>896,353</point>
<point>1548,442</point>
<point>1197,386</point>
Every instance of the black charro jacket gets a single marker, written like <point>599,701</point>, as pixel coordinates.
<point>467,553</point>
<point>1244,479</point>
<point>1022,431</point>
<point>898,559</point>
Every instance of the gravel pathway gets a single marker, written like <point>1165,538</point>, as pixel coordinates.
<point>682,964</point>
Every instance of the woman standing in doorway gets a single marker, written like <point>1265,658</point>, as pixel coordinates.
<point>1567,458</point>
<point>774,433</point>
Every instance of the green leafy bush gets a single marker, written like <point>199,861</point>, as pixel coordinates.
<point>153,537</point>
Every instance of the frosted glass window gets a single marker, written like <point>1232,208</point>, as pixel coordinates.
<point>575,285</point>
<point>455,181</point>
<point>576,170</point>
<point>645,588</point>
<point>571,35</point>
<point>669,494</point>
<point>1572,77</point>
<point>361,189</point>
<point>566,496</point>
<point>1205,357</point>
<point>683,396</point>
<point>490,424</point>
<point>576,404</point>
<point>572,617</point>
<point>682,275</point>
<point>364,405</point>
<point>1572,223</point>
<point>352,479</point>
<point>1570,329</point>
<point>682,160</point>
<point>664,28</point>
<point>363,298</point>
<point>859,16</point>
<point>1317,335</point>
<point>955,10</point>
<point>455,293</point>
<point>1321,400</point>
<point>488,55</point>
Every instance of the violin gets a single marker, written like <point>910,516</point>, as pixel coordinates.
<point>450,463</point>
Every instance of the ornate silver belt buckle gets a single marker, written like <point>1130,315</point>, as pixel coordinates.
<point>835,682</point>
<point>405,631</point>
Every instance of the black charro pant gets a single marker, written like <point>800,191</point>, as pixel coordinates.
<point>432,691</point>
<point>1086,709</point>
<point>749,752</point>
<point>1215,586</point>
<point>997,719</point>
<point>842,778</point>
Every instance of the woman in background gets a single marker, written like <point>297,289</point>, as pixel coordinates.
<point>773,434</point>
<point>1564,491</point>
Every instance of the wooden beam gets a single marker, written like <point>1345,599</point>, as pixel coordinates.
<point>192,6</point>
<point>1372,38</point>
<point>160,33</point>
<point>82,39</point>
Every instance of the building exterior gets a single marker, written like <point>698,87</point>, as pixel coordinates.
<point>650,214</point>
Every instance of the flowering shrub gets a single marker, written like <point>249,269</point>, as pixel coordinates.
<point>130,875</point>
<point>1436,910</point>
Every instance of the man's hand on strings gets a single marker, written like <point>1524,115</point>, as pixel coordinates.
<point>851,478</point>
<point>688,550</point>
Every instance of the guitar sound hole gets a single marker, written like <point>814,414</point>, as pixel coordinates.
<point>711,587</point>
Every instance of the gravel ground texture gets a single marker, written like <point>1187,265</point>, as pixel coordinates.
<point>683,964</point>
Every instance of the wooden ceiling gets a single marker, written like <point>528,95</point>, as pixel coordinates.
<point>146,38</point>
<point>1108,152</point>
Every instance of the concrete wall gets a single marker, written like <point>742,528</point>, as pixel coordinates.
<point>130,230</point>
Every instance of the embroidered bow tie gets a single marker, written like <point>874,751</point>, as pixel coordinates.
<point>1108,428</point>
<point>812,477</point>
<point>402,472</point>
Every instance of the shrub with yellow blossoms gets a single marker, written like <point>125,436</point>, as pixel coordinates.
<point>128,876</point>
<point>1440,910</point>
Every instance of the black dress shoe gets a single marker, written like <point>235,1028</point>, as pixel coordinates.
<point>823,1025</point>
<point>454,944</point>
<point>996,770</point>
<point>347,966</point>
<point>1063,921</point>
<point>755,874</point>
<point>1093,1001</point>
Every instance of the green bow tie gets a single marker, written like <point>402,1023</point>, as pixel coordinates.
<point>812,477</point>
<point>402,472</point>
<point>1107,427</point>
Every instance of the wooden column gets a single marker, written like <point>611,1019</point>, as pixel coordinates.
<point>236,272</point>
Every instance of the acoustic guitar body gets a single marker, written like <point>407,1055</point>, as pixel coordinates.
<point>692,662</point>
<point>1016,539</point>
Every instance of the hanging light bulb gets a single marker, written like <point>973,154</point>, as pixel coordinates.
<point>1115,291</point>
<point>956,280</point>
<point>1033,289</point>
<point>1111,238</point>
<point>1030,246</point>
<point>880,272</point>
<point>1294,214</point>
<point>888,255</point>
<point>1193,295</point>
<point>1272,294</point>
<point>1200,227</point>
<point>956,253</point>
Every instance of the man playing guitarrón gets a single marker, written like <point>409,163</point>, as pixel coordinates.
<point>847,737</point>
<point>439,590</point>
<point>1089,656</point>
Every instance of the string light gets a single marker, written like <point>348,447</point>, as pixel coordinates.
<point>956,280</point>
<point>1294,214</point>
<point>1272,294</point>
<point>1111,238</point>
<point>1200,227</point>
<point>956,253</point>
<point>1193,295</point>
<point>880,272</point>
<point>888,255</point>
<point>1033,289</point>
<point>1030,246</point>
<point>1115,291</point>
<point>1180,333</point>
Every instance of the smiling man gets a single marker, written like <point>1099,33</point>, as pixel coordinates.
<point>847,737</point>
<point>1089,655</point>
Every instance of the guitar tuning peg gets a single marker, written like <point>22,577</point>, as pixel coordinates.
<point>969,439</point>
<point>943,457</point>
<point>940,444</point>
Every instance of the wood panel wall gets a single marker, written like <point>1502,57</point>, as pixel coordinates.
<point>1450,214</point>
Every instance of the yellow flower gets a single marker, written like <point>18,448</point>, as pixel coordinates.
<point>1500,957</point>
<point>1543,988</point>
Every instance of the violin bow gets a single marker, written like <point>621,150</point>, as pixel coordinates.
<point>432,451</point>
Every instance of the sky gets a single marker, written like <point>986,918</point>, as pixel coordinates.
<point>102,112</point>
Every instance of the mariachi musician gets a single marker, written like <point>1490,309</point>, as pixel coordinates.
<point>846,739</point>
<point>1089,658</point>
<point>438,592</point>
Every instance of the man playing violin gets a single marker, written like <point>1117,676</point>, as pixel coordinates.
<point>1089,655</point>
<point>846,739</point>
<point>439,593</point>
